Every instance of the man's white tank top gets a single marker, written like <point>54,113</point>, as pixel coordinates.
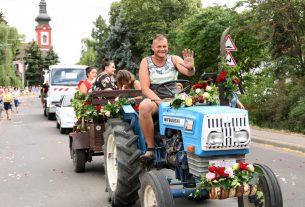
<point>167,72</point>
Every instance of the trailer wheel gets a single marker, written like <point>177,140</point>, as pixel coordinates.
<point>57,124</point>
<point>269,186</point>
<point>50,116</point>
<point>122,168</point>
<point>62,130</point>
<point>155,190</point>
<point>79,160</point>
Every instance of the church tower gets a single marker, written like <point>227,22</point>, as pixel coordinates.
<point>43,29</point>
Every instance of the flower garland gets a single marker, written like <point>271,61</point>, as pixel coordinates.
<point>200,94</point>
<point>84,110</point>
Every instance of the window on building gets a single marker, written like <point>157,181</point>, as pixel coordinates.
<point>44,39</point>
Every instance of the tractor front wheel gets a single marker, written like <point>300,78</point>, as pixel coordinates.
<point>155,190</point>
<point>270,189</point>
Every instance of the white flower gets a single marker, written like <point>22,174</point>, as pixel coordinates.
<point>250,167</point>
<point>206,95</point>
<point>210,176</point>
<point>107,113</point>
<point>229,171</point>
<point>116,99</point>
<point>183,96</point>
<point>208,88</point>
<point>198,90</point>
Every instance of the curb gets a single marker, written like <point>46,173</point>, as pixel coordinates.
<point>297,147</point>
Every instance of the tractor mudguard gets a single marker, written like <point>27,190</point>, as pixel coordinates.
<point>80,140</point>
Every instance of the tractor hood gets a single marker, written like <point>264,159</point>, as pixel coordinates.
<point>203,110</point>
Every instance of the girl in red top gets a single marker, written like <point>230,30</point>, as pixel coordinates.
<point>85,86</point>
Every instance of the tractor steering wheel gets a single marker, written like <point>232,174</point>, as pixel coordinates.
<point>173,91</point>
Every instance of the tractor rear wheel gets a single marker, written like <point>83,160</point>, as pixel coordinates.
<point>122,168</point>
<point>155,190</point>
<point>79,160</point>
<point>269,186</point>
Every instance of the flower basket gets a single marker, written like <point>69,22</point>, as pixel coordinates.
<point>221,193</point>
<point>223,182</point>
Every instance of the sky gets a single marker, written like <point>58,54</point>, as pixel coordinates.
<point>71,21</point>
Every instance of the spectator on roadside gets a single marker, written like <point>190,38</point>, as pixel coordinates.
<point>7,99</point>
<point>16,95</point>
<point>235,101</point>
<point>1,101</point>
<point>126,80</point>
<point>44,90</point>
<point>106,80</point>
<point>85,85</point>
<point>155,70</point>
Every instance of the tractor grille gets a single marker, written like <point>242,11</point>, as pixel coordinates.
<point>228,124</point>
<point>199,165</point>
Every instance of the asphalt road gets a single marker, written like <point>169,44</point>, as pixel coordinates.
<point>36,169</point>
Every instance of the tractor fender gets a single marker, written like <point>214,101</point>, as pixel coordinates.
<point>79,140</point>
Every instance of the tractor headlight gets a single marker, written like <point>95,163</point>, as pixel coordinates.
<point>215,138</point>
<point>242,136</point>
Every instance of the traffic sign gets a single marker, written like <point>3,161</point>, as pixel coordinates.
<point>230,46</point>
<point>230,60</point>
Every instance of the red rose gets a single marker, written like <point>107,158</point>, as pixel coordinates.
<point>136,107</point>
<point>98,108</point>
<point>205,84</point>
<point>222,76</point>
<point>212,168</point>
<point>198,85</point>
<point>201,99</point>
<point>243,166</point>
<point>221,171</point>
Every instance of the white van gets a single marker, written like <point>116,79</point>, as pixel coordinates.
<point>63,80</point>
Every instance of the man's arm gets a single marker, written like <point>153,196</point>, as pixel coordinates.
<point>186,65</point>
<point>145,81</point>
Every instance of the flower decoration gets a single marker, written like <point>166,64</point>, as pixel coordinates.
<point>227,79</point>
<point>200,94</point>
<point>85,111</point>
<point>232,178</point>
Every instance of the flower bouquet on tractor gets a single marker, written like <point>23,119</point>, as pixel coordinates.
<point>92,111</point>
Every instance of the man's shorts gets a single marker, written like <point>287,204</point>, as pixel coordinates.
<point>16,102</point>
<point>7,105</point>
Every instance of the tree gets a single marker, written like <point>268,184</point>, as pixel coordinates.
<point>119,45</point>
<point>99,34</point>
<point>286,22</point>
<point>202,34</point>
<point>2,19</point>
<point>35,64</point>
<point>146,18</point>
<point>88,53</point>
<point>9,44</point>
<point>51,58</point>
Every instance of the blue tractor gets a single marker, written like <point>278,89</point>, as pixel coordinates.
<point>187,141</point>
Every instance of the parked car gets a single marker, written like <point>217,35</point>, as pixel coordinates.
<point>65,115</point>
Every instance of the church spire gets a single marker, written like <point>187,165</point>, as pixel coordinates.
<point>43,17</point>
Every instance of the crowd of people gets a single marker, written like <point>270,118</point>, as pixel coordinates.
<point>9,101</point>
